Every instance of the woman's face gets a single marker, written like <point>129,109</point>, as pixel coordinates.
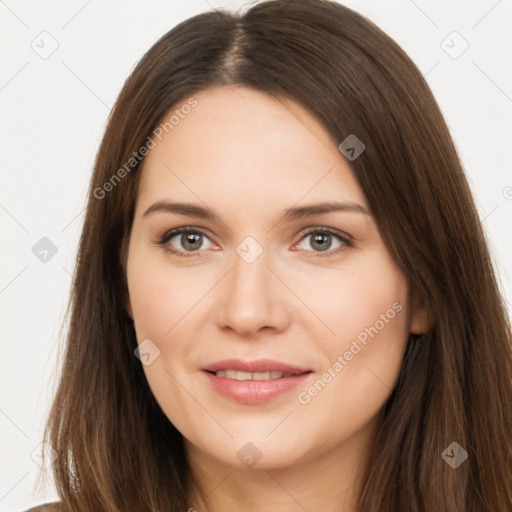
<point>317,291</point>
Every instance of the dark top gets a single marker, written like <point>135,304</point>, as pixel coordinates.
<point>55,506</point>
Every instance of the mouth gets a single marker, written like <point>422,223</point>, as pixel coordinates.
<point>254,382</point>
<point>268,375</point>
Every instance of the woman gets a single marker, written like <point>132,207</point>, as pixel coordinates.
<point>283,296</point>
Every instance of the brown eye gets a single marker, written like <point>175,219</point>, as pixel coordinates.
<point>187,241</point>
<point>191,241</point>
<point>321,241</point>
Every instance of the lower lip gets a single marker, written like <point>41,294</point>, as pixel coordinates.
<point>255,391</point>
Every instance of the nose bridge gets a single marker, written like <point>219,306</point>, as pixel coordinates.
<point>251,297</point>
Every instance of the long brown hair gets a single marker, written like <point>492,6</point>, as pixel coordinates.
<point>117,451</point>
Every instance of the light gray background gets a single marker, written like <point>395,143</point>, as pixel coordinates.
<point>54,111</point>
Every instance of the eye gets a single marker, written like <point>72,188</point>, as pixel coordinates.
<point>190,239</point>
<point>323,240</point>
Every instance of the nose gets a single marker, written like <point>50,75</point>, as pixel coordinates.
<point>253,297</point>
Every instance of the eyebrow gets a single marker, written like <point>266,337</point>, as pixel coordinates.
<point>290,214</point>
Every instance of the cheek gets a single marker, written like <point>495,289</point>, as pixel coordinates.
<point>160,295</point>
<point>354,297</point>
<point>365,309</point>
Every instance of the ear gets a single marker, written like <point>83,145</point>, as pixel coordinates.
<point>421,319</point>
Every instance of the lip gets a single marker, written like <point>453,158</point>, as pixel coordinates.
<point>255,391</point>
<point>259,365</point>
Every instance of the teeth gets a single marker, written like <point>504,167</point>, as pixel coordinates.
<point>237,375</point>
<point>262,376</point>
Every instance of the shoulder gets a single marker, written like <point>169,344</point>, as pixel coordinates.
<point>55,506</point>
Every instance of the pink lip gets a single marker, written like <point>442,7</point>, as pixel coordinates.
<point>255,391</point>
<point>258,366</point>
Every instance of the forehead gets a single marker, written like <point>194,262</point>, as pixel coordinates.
<point>243,148</point>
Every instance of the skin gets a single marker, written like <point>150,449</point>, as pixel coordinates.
<point>248,156</point>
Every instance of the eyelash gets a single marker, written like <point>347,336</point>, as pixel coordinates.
<point>345,239</point>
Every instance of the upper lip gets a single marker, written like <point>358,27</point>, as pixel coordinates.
<point>257,366</point>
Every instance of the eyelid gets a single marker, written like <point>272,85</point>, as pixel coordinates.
<point>325,229</point>
<point>346,240</point>
<point>171,233</point>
